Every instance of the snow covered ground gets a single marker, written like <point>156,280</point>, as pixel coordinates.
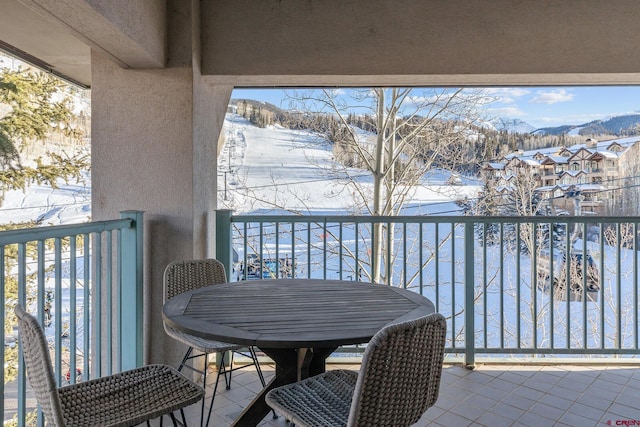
<point>263,169</point>
<point>277,169</point>
<point>272,169</point>
<point>71,203</point>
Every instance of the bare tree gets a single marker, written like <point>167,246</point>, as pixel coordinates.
<point>409,133</point>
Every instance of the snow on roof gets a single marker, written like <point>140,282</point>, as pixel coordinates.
<point>625,142</point>
<point>590,187</point>
<point>578,147</point>
<point>608,154</point>
<point>559,159</point>
<point>546,188</point>
<point>573,174</point>
<point>523,155</point>
<point>495,165</point>
<point>553,153</point>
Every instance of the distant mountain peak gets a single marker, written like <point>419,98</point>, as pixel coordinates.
<point>612,125</point>
<point>512,125</point>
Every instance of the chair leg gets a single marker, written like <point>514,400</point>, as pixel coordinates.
<point>189,355</point>
<point>204,386</point>
<point>254,356</point>
<point>221,370</point>
<point>186,357</point>
<point>228,379</point>
<point>210,408</point>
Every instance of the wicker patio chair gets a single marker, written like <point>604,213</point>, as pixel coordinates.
<point>124,399</point>
<point>399,380</point>
<point>183,276</point>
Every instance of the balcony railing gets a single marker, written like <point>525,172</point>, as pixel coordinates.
<point>526,287</point>
<point>84,282</point>
<point>508,286</point>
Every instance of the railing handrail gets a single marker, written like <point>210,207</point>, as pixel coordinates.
<point>496,290</point>
<point>87,265</point>
<point>24,235</point>
<point>467,219</point>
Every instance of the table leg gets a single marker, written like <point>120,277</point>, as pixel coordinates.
<point>318,361</point>
<point>312,361</point>
<point>305,356</point>
<point>289,364</point>
<point>286,372</point>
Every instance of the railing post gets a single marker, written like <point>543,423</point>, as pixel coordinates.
<point>131,316</point>
<point>224,254</point>
<point>469,311</point>
<point>223,240</point>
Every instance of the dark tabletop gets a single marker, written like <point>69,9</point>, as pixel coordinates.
<point>292,313</point>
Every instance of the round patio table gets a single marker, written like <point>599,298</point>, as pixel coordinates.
<point>298,323</point>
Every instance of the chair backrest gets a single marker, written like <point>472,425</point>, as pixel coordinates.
<point>183,276</point>
<point>399,377</point>
<point>39,368</point>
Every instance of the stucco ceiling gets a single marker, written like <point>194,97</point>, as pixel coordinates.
<point>507,43</point>
<point>46,44</point>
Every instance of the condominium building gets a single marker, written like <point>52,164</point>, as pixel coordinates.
<point>592,177</point>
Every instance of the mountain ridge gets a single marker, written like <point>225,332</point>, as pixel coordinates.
<point>614,125</point>
<point>621,125</point>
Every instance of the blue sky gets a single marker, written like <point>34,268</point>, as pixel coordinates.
<point>538,106</point>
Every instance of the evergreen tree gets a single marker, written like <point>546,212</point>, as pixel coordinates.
<point>487,204</point>
<point>37,105</point>
<point>30,104</point>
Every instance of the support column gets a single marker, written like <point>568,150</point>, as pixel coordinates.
<point>210,104</point>
<point>141,150</point>
<point>154,137</point>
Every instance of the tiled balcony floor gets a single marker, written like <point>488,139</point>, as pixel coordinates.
<point>491,395</point>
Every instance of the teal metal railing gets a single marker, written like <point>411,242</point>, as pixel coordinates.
<point>527,287</point>
<point>84,283</point>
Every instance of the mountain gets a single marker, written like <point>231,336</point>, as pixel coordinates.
<point>512,125</point>
<point>611,126</point>
<point>618,125</point>
<point>255,104</point>
<point>557,130</point>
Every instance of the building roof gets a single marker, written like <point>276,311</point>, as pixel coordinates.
<point>563,155</point>
<point>494,165</point>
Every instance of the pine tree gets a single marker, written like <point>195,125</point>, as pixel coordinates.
<point>31,103</point>
<point>31,117</point>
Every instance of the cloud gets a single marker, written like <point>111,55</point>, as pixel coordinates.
<point>337,91</point>
<point>506,95</point>
<point>552,97</point>
<point>570,119</point>
<point>454,97</point>
<point>506,112</point>
<point>552,121</point>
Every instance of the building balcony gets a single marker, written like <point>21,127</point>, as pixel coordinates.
<point>538,334</point>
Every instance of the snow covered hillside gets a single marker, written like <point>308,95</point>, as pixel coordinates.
<point>265,170</point>
<point>275,169</point>
<point>71,203</point>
